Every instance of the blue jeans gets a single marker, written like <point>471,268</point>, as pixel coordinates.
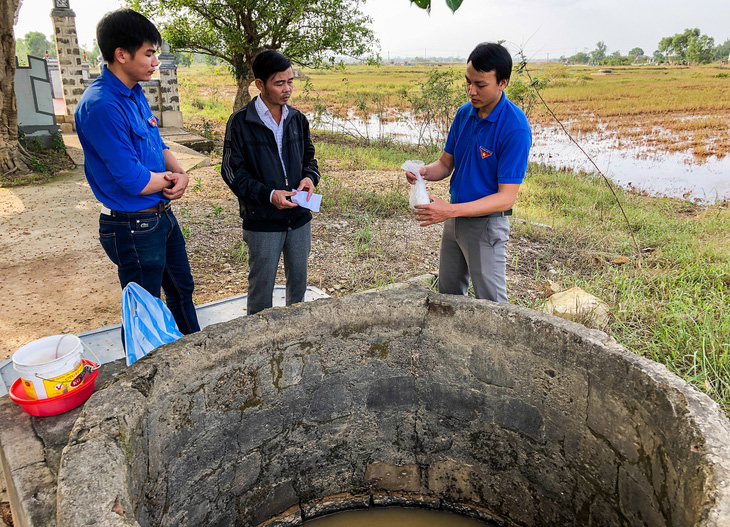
<point>148,248</point>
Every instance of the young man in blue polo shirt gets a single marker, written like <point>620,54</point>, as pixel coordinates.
<point>130,169</point>
<point>487,150</point>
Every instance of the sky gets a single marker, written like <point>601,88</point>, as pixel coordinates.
<point>541,28</point>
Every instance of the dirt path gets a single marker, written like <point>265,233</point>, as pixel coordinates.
<point>54,275</point>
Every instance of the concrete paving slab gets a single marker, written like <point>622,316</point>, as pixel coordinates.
<point>188,158</point>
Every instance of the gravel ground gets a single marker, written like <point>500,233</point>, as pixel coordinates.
<point>351,251</point>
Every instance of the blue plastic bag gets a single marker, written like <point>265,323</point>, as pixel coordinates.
<point>147,322</point>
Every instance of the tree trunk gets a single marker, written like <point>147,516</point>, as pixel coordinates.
<point>11,161</point>
<point>243,97</point>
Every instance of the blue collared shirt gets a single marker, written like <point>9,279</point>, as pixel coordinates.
<point>487,151</point>
<point>121,143</point>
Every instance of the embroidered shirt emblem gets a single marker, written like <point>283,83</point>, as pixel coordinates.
<point>152,120</point>
<point>485,153</point>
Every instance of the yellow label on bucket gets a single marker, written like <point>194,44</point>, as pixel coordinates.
<point>29,390</point>
<point>64,383</point>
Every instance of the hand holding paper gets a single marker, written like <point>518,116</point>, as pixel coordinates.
<point>300,198</point>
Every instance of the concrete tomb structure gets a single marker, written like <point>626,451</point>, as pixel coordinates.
<point>402,397</point>
<point>73,74</point>
<point>33,91</point>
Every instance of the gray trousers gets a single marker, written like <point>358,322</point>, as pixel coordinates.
<point>264,251</point>
<point>476,248</point>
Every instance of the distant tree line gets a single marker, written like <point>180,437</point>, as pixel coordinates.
<point>689,47</point>
<point>37,44</point>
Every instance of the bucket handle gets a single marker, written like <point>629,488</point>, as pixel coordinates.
<point>96,366</point>
<point>59,345</point>
<point>98,360</point>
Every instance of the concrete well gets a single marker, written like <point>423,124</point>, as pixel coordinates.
<point>399,397</point>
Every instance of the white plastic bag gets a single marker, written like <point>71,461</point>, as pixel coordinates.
<point>147,322</point>
<point>418,196</point>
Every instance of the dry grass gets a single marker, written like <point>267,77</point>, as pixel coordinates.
<point>662,108</point>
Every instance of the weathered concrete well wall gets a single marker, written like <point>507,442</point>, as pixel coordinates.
<point>403,396</point>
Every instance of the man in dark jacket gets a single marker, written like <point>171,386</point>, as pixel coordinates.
<point>268,157</point>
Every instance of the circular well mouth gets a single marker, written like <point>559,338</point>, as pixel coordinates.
<point>404,395</point>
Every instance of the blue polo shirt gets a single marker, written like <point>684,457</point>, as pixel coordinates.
<point>487,151</point>
<point>121,143</point>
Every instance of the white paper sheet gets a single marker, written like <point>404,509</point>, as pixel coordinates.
<point>300,198</point>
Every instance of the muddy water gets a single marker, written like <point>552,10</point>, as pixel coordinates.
<point>677,174</point>
<point>633,166</point>
<point>394,517</point>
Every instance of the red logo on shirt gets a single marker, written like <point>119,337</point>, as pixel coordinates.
<point>153,121</point>
<point>485,153</point>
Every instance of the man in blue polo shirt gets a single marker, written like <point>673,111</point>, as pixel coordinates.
<point>130,169</point>
<point>487,150</point>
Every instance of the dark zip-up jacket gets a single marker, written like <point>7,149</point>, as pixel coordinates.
<point>252,169</point>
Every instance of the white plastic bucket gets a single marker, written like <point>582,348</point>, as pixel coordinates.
<point>50,366</point>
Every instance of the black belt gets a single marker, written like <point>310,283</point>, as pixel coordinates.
<point>498,214</point>
<point>162,206</point>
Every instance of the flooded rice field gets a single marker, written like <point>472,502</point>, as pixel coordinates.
<point>631,163</point>
<point>635,165</point>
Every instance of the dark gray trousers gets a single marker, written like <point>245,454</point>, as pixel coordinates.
<point>264,251</point>
<point>476,248</point>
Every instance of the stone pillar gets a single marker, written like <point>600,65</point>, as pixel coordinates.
<point>169,99</point>
<point>69,56</point>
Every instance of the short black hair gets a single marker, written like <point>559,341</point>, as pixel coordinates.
<point>126,29</point>
<point>268,63</point>
<point>489,56</point>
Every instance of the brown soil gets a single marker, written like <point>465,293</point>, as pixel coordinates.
<point>56,278</point>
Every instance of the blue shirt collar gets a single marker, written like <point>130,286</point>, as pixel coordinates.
<point>494,115</point>
<point>113,81</point>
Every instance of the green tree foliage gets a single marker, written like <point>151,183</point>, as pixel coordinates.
<point>616,59</point>
<point>599,53</point>
<point>426,4</point>
<point>183,59</point>
<point>93,55</point>
<point>310,32</point>
<point>522,91</point>
<point>722,52</point>
<point>36,44</point>
<point>636,52</point>
<point>690,46</point>
<point>701,50</point>
<point>435,101</point>
<point>580,58</point>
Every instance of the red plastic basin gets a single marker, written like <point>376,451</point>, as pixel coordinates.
<point>55,405</point>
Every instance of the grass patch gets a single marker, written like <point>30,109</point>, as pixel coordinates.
<point>673,308</point>
<point>665,108</point>
<point>354,202</point>
<point>352,154</point>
